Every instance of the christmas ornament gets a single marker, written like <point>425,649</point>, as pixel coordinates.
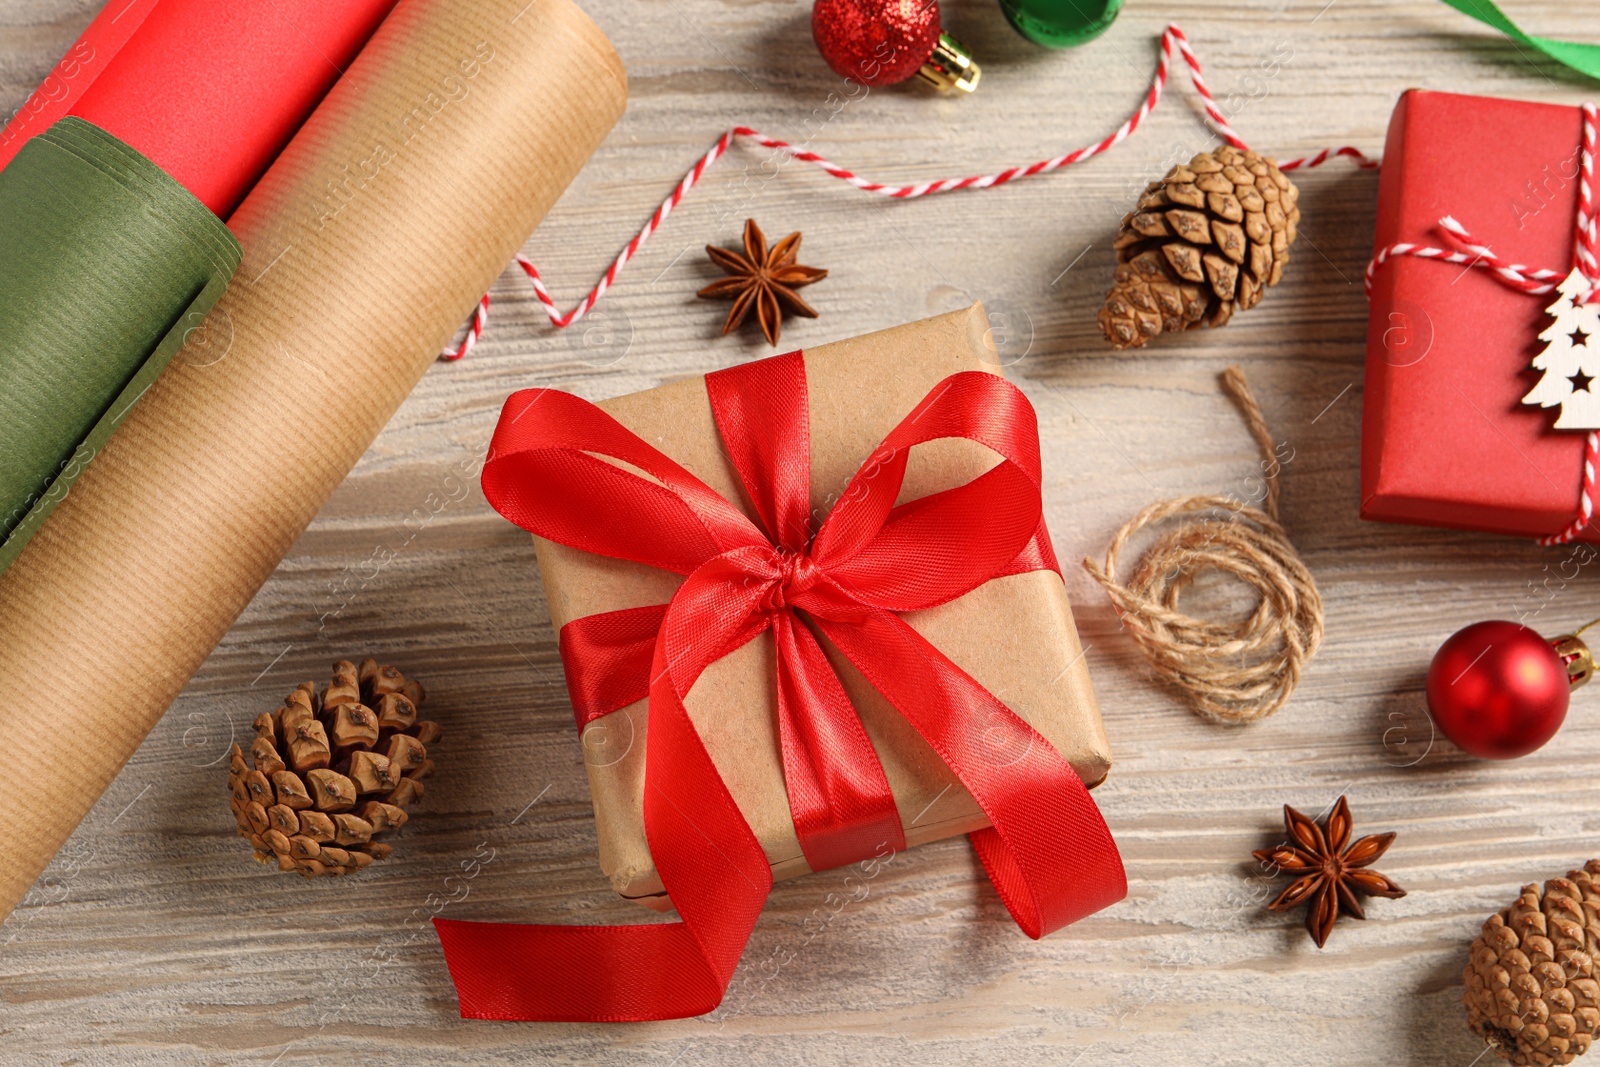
<point>1530,986</point>
<point>884,42</point>
<point>333,771</point>
<point>1205,240</point>
<point>1327,874</point>
<point>762,279</point>
<point>1231,670</point>
<point>1571,357</point>
<point>1061,23</point>
<point>1173,44</point>
<point>1499,690</point>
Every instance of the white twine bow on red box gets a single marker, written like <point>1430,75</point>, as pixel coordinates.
<point>1474,254</point>
<point>1171,39</point>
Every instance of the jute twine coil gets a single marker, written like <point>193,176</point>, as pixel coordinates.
<point>1229,670</point>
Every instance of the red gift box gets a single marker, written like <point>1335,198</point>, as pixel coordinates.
<point>1445,439</point>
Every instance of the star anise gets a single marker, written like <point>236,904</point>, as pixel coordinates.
<point>1327,875</point>
<point>763,280</point>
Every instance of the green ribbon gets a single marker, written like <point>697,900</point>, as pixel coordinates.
<point>1583,58</point>
<point>105,264</point>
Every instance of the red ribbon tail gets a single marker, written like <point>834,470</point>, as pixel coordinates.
<point>1048,852</point>
<point>713,868</point>
<point>842,806</point>
<point>578,973</point>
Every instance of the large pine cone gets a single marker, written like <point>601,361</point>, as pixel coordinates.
<point>1205,241</point>
<point>1531,989</point>
<point>333,770</point>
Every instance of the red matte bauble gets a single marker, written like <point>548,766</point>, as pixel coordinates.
<point>1498,690</point>
<point>875,42</point>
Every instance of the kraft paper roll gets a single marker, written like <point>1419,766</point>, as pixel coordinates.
<point>105,264</point>
<point>366,245</point>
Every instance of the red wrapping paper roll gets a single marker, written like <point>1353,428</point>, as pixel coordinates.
<point>99,43</point>
<point>211,91</point>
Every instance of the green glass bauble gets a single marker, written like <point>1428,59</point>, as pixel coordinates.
<point>1061,23</point>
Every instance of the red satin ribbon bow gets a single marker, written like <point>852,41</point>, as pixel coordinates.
<point>1048,851</point>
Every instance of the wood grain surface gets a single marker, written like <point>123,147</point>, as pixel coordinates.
<point>153,938</point>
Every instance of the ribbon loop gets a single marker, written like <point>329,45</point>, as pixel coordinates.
<point>552,439</point>
<point>839,797</point>
<point>775,468</point>
<point>975,405</point>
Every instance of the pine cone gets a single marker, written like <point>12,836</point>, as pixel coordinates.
<point>1205,241</point>
<point>1531,989</point>
<point>333,770</point>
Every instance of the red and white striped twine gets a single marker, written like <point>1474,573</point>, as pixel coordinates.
<point>1538,281</point>
<point>1173,37</point>
<point>1584,252</point>
<point>1585,496</point>
<point>1584,242</point>
<point>475,325</point>
<point>1474,254</point>
<point>1471,253</point>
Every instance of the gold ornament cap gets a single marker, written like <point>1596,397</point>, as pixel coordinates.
<point>1576,657</point>
<point>950,67</point>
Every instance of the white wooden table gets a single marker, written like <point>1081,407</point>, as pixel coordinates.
<point>153,938</point>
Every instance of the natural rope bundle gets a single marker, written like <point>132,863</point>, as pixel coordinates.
<point>1230,670</point>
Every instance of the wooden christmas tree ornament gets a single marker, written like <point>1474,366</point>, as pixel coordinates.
<point>1570,360</point>
<point>1531,988</point>
<point>1205,241</point>
<point>333,770</point>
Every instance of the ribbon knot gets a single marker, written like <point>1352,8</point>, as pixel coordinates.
<point>550,471</point>
<point>795,574</point>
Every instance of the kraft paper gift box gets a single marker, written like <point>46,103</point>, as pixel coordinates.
<point>1014,634</point>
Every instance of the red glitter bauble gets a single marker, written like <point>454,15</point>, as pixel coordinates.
<point>875,42</point>
<point>1498,690</point>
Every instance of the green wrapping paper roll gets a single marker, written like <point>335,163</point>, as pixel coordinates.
<point>106,264</point>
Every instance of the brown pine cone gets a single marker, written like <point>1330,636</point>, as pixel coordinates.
<point>333,770</point>
<point>1204,241</point>
<point>1530,984</point>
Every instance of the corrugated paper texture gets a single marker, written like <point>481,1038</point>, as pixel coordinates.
<point>1014,634</point>
<point>366,245</point>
